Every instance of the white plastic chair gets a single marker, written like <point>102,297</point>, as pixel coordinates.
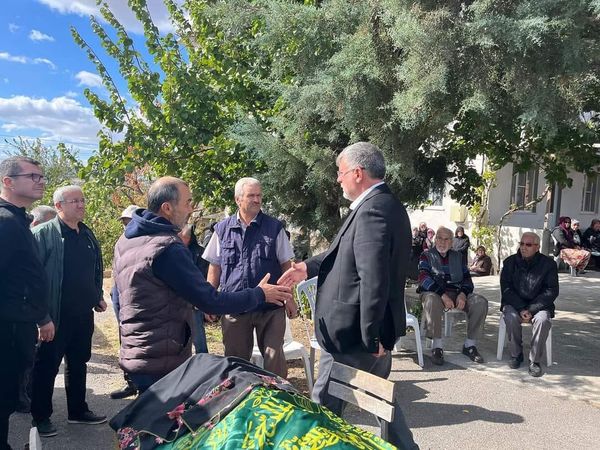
<point>413,322</point>
<point>291,349</point>
<point>308,289</point>
<point>35,442</point>
<point>502,342</point>
<point>448,322</point>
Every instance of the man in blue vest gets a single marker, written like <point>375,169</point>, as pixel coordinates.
<point>243,249</point>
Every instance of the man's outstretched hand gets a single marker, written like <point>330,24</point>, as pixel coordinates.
<point>293,275</point>
<point>278,295</point>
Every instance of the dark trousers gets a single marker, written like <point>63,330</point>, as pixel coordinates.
<point>399,433</point>
<point>17,341</point>
<point>73,341</point>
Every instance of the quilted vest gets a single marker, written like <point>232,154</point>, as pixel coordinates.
<point>156,324</point>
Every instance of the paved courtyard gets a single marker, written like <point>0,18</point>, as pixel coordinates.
<point>460,405</point>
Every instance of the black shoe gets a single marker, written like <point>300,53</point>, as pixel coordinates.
<point>45,427</point>
<point>437,356</point>
<point>472,353</point>
<point>515,361</point>
<point>535,370</point>
<point>88,418</point>
<point>127,391</point>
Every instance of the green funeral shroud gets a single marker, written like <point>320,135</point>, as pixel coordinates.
<point>274,419</point>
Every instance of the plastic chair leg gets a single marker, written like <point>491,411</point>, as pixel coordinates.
<point>501,338</point>
<point>549,349</point>
<point>418,345</point>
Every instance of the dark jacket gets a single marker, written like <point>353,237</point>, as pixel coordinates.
<point>461,245</point>
<point>530,285</point>
<point>591,239</point>
<point>23,284</point>
<point>50,245</point>
<point>360,292</point>
<point>157,282</point>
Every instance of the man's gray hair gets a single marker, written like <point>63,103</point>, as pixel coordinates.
<point>12,165</point>
<point>446,231</point>
<point>59,194</point>
<point>534,236</point>
<point>365,155</point>
<point>43,213</point>
<point>164,190</point>
<point>241,183</point>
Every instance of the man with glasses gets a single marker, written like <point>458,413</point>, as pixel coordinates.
<point>529,286</point>
<point>22,281</point>
<point>445,283</point>
<point>360,311</point>
<point>73,264</point>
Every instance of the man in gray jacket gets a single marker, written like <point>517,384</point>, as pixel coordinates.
<point>73,264</point>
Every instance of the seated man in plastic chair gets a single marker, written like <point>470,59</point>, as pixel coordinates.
<point>444,284</point>
<point>529,286</point>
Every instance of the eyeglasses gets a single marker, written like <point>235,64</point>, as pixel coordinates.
<point>527,244</point>
<point>74,201</point>
<point>35,177</point>
<point>341,174</point>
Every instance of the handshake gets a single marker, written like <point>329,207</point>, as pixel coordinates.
<point>280,294</point>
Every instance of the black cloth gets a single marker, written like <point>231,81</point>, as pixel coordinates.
<point>190,382</point>
<point>360,291</point>
<point>197,250</point>
<point>530,285</point>
<point>73,341</point>
<point>78,289</point>
<point>23,284</point>
<point>18,345</point>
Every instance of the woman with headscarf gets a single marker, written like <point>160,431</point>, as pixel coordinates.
<point>461,243</point>
<point>577,234</point>
<point>429,241</point>
<point>567,248</point>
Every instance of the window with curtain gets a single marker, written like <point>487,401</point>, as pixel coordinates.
<point>589,196</point>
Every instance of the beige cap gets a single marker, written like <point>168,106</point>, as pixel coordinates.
<point>128,212</point>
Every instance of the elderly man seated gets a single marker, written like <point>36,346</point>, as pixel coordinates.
<point>529,285</point>
<point>445,284</point>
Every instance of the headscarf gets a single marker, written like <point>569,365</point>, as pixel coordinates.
<point>568,232</point>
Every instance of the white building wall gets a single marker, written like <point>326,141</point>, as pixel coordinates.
<point>518,222</point>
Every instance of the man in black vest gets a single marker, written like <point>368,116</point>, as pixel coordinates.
<point>360,311</point>
<point>445,283</point>
<point>23,302</point>
<point>242,250</point>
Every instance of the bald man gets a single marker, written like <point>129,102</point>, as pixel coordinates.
<point>158,284</point>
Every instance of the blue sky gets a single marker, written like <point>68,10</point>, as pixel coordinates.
<point>43,73</point>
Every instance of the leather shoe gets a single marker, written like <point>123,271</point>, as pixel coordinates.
<point>472,353</point>
<point>515,361</point>
<point>437,356</point>
<point>127,391</point>
<point>535,370</point>
<point>88,418</point>
<point>45,427</point>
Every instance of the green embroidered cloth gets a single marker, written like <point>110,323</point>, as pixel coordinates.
<point>275,419</point>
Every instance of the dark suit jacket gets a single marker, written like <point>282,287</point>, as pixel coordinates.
<point>360,293</point>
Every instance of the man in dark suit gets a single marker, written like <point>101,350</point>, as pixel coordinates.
<point>360,310</point>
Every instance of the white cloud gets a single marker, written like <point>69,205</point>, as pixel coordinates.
<point>119,8</point>
<point>12,58</point>
<point>13,27</point>
<point>36,35</point>
<point>88,79</point>
<point>59,118</point>
<point>26,60</point>
<point>71,94</point>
